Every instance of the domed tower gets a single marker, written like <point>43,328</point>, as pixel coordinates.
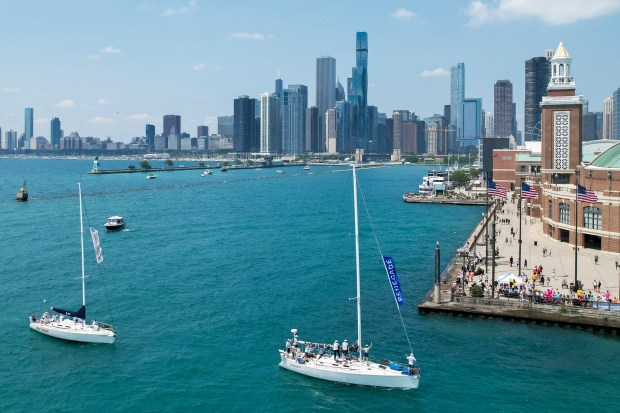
<point>561,122</point>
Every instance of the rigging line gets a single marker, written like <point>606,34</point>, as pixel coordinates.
<point>105,289</point>
<point>374,234</point>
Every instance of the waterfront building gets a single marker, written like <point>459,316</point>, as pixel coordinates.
<point>457,95</point>
<point>383,146</point>
<point>331,130</point>
<point>616,116</point>
<point>150,136</point>
<point>270,124</point>
<point>159,143</point>
<point>325,90</point>
<point>28,124</point>
<point>436,135</point>
<point>244,135</point>
<point>371,129</point>
<point>471,113</point>
<point>174,141</point>
<point>408,136</point>
<point>202,131</point>
<point>419,136</point>
<point>398,118</point>
<point>503,109</point>
<point>489,126</point>
<point>226,125</point>
<point>537,75</point>
<point>313,133</point>
<point>55,133</point>
<point>598,120</point>
<point>588,125</point>
<point>295,103</point>
<point>358,92</point>
<point>10,140</point>
<point>172,126</point>
<point>608,118</point>
<point>345,142</point>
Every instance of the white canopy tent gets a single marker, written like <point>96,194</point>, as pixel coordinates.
<point>505,279</point>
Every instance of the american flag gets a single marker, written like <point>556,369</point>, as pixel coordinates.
<point>497,190</point>
<point>586,195</point>
<point>528,192</point>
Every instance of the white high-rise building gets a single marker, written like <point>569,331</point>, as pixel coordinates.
<point>608,118</point>
<point>270,124</point>
<point>489,125</point>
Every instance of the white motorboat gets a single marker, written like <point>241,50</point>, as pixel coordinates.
<point>115,223</point>
<point>72,325</point>
<point>206,172</point>
<point>306,167</point>
<point>280,171</point>
<point>352,370</point>
<point>151,176</point>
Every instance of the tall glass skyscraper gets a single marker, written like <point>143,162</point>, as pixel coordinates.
<point>295,103</point>
<point>457,94</point>
<point>616,115</point>
<point>325,91</point>
<point>55,133</point>
<point>537,75</point>
<point>358,93</point>
<point>28,124</point>
<point>244,129</point>
<point>172,125</point>
<point>503,109</point>
<point>472,124</point>
<point>270,124</point>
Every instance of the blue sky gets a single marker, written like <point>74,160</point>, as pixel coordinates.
<point>108,67</point>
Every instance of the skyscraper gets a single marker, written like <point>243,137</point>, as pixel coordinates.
<point>537,75</point>
<point>172,125</point>
<point>244,135</point>
<point>294,119</point>
<point>608,118</point>
<point>270,124</point>
<point>202,131</point>
<point>472,124</point>
<point>457,94</point>
<point>344,140</point>
<point>55,133</point>
<point>325,91</point>
<point>28,124</point>
<point>226,124</point>
<point>150,136</point>
<point>489,125</point>
<point>313,144</point>
<point>358,93</point>
<point>616,115</point>
<point>502,109</point>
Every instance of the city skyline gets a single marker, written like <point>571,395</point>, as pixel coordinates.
<point>193,59</point>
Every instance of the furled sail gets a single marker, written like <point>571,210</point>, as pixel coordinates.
<point>81,313</point>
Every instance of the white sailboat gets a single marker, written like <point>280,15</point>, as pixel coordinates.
<point>350,370</point>
<point>72,325</point>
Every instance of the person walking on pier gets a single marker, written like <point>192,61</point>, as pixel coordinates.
<point>511,260</point>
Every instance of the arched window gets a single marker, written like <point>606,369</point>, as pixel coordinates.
<point>564,213</point>
<point>592,217</point>
<point>561,70</point>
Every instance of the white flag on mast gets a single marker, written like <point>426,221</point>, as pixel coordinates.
<point>95,235</point>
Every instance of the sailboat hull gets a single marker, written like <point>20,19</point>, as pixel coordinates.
<point>70,331</point>
<point>371,374</point>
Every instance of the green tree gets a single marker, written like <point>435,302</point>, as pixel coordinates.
<point>131,167</point>
<point>474,173</point>
<point>201,164</point>
<point>460,179</point>
<point>145,165</point>
<point>168,163</point>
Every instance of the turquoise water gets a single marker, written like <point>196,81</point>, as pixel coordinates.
<point>211,274</point>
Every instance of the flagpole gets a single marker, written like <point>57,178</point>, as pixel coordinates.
<point>519,206</point>
<point>576,220</point>
<point>486,229</point>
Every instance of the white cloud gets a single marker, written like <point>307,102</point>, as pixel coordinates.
<point>438,72</point>
<point>93,57</point>
<point>251,36</point>
<point>173,11</point>
<point>65,104</point>
<point>403,14</point>
<point>101,120</point>
<point>554,12</point>
<point>102,101</point>
<point>138,116</point>
<point>111,50</point>
<point>10,89</point>
<point>199,66</point>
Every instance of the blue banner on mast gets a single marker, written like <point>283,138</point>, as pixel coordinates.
<point>390,267</point>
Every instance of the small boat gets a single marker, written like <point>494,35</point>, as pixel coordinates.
<point>72,325</point>
<point>280,171</point>
<point>224,168</point>
<point>306,167</point>
<point>351,369</point>
<point>22,194</point>
<point>206,172</point>
<point>115,223</point>
<point>151,176</point>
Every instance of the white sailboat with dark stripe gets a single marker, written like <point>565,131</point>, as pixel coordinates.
<point>314,359</point>
<point>72,325</point>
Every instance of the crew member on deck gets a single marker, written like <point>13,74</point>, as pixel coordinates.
<point>411,360</point>
<point>345,348</point>
<point>365,352</point>
<point>288,346</point>
<point>336,349</point>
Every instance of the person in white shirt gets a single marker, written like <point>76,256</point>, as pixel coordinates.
<point>336,349</point>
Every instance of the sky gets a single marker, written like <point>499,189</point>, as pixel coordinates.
<point>108,67</point>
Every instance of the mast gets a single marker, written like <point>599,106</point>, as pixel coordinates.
<point>357,267</point>
<point>82,244</point>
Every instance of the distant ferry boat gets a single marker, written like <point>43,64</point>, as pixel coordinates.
<point>156,156</point>
<point>435,181</point>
